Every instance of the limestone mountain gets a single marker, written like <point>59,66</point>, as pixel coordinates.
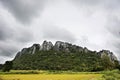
<point>63,56</point>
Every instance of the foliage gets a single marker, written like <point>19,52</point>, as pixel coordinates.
<point>117,64</point>
<point>1,66</point>
<point>107,63</point>
<point>112,75</point>
<point>7,66</point>
<point>53,60</point>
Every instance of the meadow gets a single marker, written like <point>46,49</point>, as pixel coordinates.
<point>51,77</point>
<point>48,75</point>
<point>58,75</point>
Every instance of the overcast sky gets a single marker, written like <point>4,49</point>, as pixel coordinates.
<point>91,23</point>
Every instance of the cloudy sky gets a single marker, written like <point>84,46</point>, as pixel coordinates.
<point>91,23</point>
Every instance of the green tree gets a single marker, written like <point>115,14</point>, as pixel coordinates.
<point>117,65</point>
<point>107,63</point>
<point>1,65</point>
<point>7,66</point>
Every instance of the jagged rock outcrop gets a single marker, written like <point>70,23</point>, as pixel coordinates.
<point>30,50</point>
<point>67,47</point>
<point>63,47</point>
<point>86,50</point>
<point>46,46</point>
<point>34,48</point>
<point>107,53</point>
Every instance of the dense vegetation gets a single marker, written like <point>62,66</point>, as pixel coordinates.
<point>7,66</point>
<point>111,75</point>
<point>1,66</point>
<point>51,60</point>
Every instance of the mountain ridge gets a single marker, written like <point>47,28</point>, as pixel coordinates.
<point>63,56</point>
<point>63,46</point>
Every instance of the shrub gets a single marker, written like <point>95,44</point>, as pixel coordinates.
<point>7,66</point>
<point>112,75</point>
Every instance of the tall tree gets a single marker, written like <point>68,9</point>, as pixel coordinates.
<point>7,66</point>
<point>107,63</point>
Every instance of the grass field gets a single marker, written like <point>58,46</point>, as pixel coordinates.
<point>48,75</point>
<point>51,77</point>
<point>59,75</point>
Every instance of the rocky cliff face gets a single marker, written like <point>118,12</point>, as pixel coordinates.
<point>46,46</point>
<point>107,53</point>
<point>63,47</point>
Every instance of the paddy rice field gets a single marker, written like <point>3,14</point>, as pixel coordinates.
<point>48,75</point>
<point>51,77</point>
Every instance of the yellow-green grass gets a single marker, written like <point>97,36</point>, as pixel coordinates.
<point>51,76</point>
<point>46,72</point>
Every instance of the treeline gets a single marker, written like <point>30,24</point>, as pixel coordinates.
<point>51,60</point>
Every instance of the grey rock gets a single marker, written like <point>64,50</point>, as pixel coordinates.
<point>108,53</point>
<point>67,47</point>
<point>34,48</point>
<point>86,50</point>
<point>46,46</point>
<point>18,55</point>
<point>24,50</point>
<point>62,46</point>
<point>30,50</point>
<point>76,48</point>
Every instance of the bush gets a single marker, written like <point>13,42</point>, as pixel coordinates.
<point>7,66</point>
<point>109,77</point>
<point>112,75</point>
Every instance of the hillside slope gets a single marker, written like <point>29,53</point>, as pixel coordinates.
<point>63,56</point>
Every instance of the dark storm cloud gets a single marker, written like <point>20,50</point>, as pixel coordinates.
<point>57,33</point>
<point>7,49</point>
<point>11,37</point>
<point>17,34</point>
<point>11,44</point>
<point>24,37</point>
<point>5,32</point>
<point>24,10</point>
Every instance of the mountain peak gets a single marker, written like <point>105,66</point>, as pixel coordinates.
<point>46,45</point>
<point>60,46</point>
<point>108,53</point>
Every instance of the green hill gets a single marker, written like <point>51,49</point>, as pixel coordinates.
<point>63,56</point>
